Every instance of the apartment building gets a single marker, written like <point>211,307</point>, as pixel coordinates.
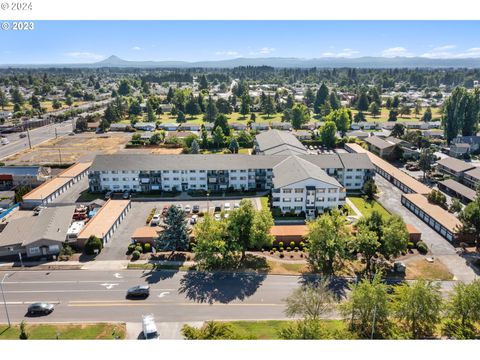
<point>330,174</point>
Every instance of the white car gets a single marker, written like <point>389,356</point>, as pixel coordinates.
<point>194,219</point>
<point>149,327</point>
<point>187,209</point>
<point>236,205</point>
<point>155,220</point>
<point>227,207</point>
<point>179,206</point>
<point>5,141</point>
<point>226,215</point>
<point>217,217</point>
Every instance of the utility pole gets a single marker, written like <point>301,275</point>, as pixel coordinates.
<point>5,301</point>
<point>28,136</point>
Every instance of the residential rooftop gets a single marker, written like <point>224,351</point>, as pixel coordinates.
<point>455,164</point>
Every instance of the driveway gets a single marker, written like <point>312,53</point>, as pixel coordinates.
<point>390,197</point>
<point>73,193</point>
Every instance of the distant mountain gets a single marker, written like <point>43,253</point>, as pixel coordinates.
<point>278,62</point>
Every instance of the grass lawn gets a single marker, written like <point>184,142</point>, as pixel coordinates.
<point>269,329</point>
<point>66,332</point>
<point>86,196</point>
<point>366,208</point>
<point>264,201</point>
<point>384,115</point>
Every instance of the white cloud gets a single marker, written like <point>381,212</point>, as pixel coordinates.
<point>396,51</point>
<point>345,53</point>
<point>85,55</point>
<point>444,48</point>
<point>227,53</point>
<point>136,48</point>
<point>469,53</point>
<point>263,51</point>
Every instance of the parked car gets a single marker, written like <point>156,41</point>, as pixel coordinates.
<point>179,206</point>
<point>126,195</point>
<point>149,327</point>
<point>139,291</point>
<point>22,135</point>
<point>226,215</point>
<point>187,209</point>
<point>196,209</point>
<point>194,219</point>
<point>40,308</point>
<point>155,220</point>
<point>217,216</point>
<point>108,195</point>
<point>218,208</point>
<point>38,210</point>
<point>71,133</point>
<point>227,207</point>
<point>5,141</point>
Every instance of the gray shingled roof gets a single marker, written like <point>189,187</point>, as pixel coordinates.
<point>475,173</point>
<point>294,169</point>
<point>51,224</point>
<point>268,141</point>
<point>459,188</point>
<point>455,164</point>
<point>379,143</point>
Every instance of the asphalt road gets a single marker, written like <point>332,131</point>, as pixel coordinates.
<point>84,295</point>
<point>37,136</point>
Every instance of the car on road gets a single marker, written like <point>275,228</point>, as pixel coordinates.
<point>40,308</point>
<point>22,135</point>
<point>227,207</point>
<point>187,209</point>
<point>71,133</point>
<point>139,291</point>
<point>149,328</point>
<point>126,195</point>
<point>108,195</point>
<point>38,210</point>
<point>196,209</point>
<point>5,141</point>
<point>155,220</point>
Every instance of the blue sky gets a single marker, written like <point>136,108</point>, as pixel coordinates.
<point>90,41</point>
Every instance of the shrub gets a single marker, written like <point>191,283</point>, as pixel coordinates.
<point>274,249</point>
<point>131,248</point>
<point>289,248</point>
<point>135,255</point>
<point>147,247</point>
<point>138,248</point>
<point>23,331</point>
<point>302,244</point>
<point>410,245</point>
<point>422,247</point>
<point>280,244</point>
<point>296,249</point>
<point>66,250</point>
<point>93,243</point>
<point>292,244</point>
<point>281,249</point>
<point>282,256</point>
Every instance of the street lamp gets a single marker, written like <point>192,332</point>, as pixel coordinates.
<point>3,295</point>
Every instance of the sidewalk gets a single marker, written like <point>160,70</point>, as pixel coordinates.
<point>166,330</point>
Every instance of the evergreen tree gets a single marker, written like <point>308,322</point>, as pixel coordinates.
<point>211,111</point>
<point>334,101</point>
<point>374,109</point>
<point>363,102</point>
<point>299,115</point>
<point>245,106</point>
<point>203,83</point>
<point>320,98</point>
<point>181,117</point>
<point>124,88</point>
<point>309,97</point>
<point>194,148</point>
<point>427,115</point>
<point>192,107</point>
<point>3,100</point>
<point>175,235</point>
<point>233,146</point>
<point>460,113</point>
<point>222,122</point>
<point>268,106</point>
<point>151,117</point>
<point>170,95</point>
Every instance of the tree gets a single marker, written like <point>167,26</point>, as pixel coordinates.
<point>260,234</point>
<point>310,302</point>
<point>417,306</point>
<point>181,117</point>
<point>203,83</point>
<point>470,219</point>
<point>3,100</point>
<point>135,108</point>
<point>374,109</point>
<point>213,248</point>
<point>268,107</point>
<point>210,330</point>
<point>327,236</point>
<point>81,124</point>
<point>425,161</point>
<point>17,97</point>
<point>460,113</point>
<point>405,110</point>
<point>151,117</point>
<point>417,110</point>
<point>69,100</point>
<point>392,115</point>
<point>93,245</point>
<point>320,98</point>
<point>370,189</point>
<point>363,102</point>
<point>211,111</point>
<point>218,137</point>
<point>175,235</point>
<point>156,138</point>
<point>194,148</point>
<point>398,130</point>
<point>300,116</point>
<point>367,309</point>
<point>366,244</point>
<point>427,115</point>
<point>438,198</point>
<point>334,100</point>
<point>23,331</point>
<point>359,117</point>
<point>245,106</point>
<point>455,206</point>
<point>395,102</point>
<point>290,102</point>
<point>124,88</point>
<point>328,134</point>
<point>222,122</point>
<point>309,97</point>
<point>240,225</point>
<point>233,146</point>
<point>56,104</point>
<point>463,307</point>
<point>104,125</point>
<point>394,239</point>
<point>341,119</point>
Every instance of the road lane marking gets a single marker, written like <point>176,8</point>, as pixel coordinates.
<point>55,282</point>
<point>109,286</point>
<point>105,304</point>
<point>118,276</point>
<point>163,294</point>
<point>56,302</point>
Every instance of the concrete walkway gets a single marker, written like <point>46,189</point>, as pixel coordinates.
<point>166,330</point>
<point>353,207</point>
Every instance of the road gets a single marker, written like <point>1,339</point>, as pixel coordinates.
<point>176,296</point>
<point>37,136</point>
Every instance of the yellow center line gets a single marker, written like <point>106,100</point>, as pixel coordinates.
<point>106,303</point>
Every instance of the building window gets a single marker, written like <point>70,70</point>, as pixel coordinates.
<point>298,191</point>
<point>298,199</point>
<point>287,199</point>
<point>287,191</point>
<point>320,191</point>
<point>34,250</point>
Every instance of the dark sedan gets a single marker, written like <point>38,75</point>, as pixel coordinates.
<point>40,309</point>
<point>139,291</point>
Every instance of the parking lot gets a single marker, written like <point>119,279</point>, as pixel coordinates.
<point>138,214</point>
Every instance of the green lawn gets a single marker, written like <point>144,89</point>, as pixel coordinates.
<point>86,196</point>
<point>384,115</point>
<point>264,201</point>
<point>268,329</point>
<point>65,331</point>
<point>366,208</point>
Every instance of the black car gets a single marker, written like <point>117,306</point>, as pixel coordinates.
<point>139,291</point>
<point>196,209</point>
<point>40,308</point>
